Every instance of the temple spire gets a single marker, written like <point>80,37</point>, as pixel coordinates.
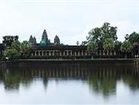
<point>32,40</point>
<point>44,35</point>
<point>44,41</point>
<point>56,40</point>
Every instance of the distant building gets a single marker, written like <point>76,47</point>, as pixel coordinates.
<point>32,40</point>
<point>56,50</point>
<point>44,41</point>
<point>48,50</point>
<point>7,40</point>
<point>56,40</point>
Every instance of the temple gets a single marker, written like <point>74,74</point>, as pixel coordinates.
<point>49,50</point>
<point>46,49</point>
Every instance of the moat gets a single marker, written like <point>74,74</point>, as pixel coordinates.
<point>100,82</point>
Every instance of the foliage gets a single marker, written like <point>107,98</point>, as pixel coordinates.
<point>109,31</point>
<point>15,45</point>
<point>103,35</point>
<point>126,46</point>
<point>84,43</point>
<point>108,44</point>
<point>11,53</point>
<point>92,46</point>
<point>133,37</point>
<point>25,48</point>
<point>17,49</point>
<point>117,45</point>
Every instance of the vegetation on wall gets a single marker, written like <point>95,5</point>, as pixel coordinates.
<point>126,46</point>
<point>17,50</point>
<point>99,38</point>
<point>105,38</point>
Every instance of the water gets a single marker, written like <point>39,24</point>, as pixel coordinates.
<point>69,83</point>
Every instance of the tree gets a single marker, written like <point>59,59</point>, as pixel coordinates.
<point>11,53</point>
<point>100,35</point>
<point>109,31</point>
<point>17,49</point>
<point>15,45</point>
<point>126,46</point>
<point>84,43</point>
<point>25,48</point>
<point>94,35</point>
<point>92,46</point>
<point>117,45</point>
<point>133,37</point>
<point>108,44</point>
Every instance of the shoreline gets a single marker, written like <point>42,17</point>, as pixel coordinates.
<point>70,60</point>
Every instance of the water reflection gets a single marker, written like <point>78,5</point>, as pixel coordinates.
<point>102,78</point>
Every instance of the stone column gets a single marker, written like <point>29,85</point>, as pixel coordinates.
<point>114,52</point>
<point>34,53</point>
<point>79,53</point>
<point>68,53</point>
<point>110,52</point>
<point>86,53</point>
<point>49,53</point>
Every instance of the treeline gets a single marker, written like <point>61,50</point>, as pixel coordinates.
<point>105,37</point>
<point>17,50</point>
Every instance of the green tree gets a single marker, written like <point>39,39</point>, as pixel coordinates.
<point>11,53</point>
<point>15,45</point>
<point>133,38</point>
<point>17,49</point>
<point>126,46</point>
<point>109,31</point>
<point>108,44</point>
<point>100,35</point>
<point>117,45</point>
<point>94,35</point>
<point>92,46</point>
<point>25,48</point>
<point>84,43</point>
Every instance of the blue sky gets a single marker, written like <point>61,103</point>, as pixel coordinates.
<point>69,19</point>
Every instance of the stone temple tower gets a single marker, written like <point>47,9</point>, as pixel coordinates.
<point>56,40</point>
<point>44,41</point>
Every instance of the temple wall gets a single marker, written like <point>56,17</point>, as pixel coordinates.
<point>79,53</point>
<point>49,53</point>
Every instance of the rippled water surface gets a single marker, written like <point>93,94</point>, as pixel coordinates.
<point>69,83</point>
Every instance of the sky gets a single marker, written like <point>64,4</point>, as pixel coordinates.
<point>71,20</point>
